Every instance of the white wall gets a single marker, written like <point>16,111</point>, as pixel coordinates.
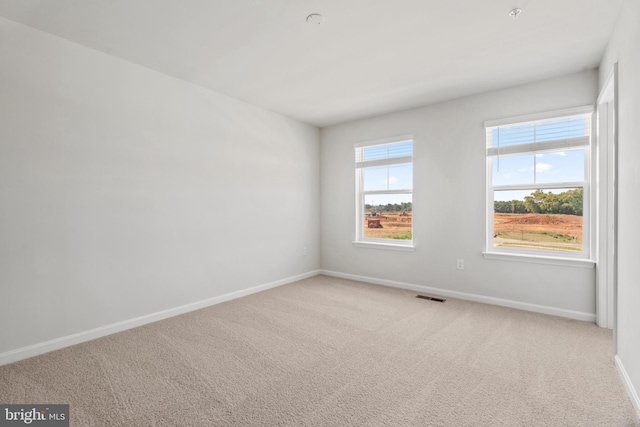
<point>449,199</point>
<point>624,49</point>
<point>124,192</point>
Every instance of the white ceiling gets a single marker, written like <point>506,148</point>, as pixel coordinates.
<point>369,57</point>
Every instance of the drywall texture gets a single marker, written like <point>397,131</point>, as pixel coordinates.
<point>124,192</point>
<point>623,48</point>
<point>449,198</point>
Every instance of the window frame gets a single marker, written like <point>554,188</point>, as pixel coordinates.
<point>383,243</point>
<point>497,252</point>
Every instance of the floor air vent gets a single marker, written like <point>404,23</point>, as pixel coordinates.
<point>430,298</point>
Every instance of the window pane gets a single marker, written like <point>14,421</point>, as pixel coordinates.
<point>545,168</point>
<point>388,178</point>
<point>376,179</point>
<point>388,216</point>
<point>561,166</point>
<point>539,219</point>
<point>512,170</point>
<point>401,177</point>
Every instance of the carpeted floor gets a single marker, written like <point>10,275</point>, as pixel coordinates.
<point>333,352</point>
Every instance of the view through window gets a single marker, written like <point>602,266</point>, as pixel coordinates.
<point>538,185</point>
<point>384,174</point>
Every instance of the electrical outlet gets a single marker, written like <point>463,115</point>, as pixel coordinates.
<point>459,264</point>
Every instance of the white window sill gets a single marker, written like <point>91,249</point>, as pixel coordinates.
<point>386,246</point>
<point>567,262</point>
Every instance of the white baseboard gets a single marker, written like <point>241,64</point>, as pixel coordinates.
<point>66,341</point>
<point>553,311</point>
<point>58,343</point>
<point>628,385</point>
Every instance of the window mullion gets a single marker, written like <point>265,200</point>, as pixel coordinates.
<point>374,192</point>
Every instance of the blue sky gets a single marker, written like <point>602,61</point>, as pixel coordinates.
<point>562,166</point>
<point>389,178</point>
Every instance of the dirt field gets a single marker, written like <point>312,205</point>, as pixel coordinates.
<point>560,232</point>
<point>557,232</point>
<point>393,225</point>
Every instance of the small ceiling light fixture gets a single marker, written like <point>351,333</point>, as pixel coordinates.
<point>315,19</point>
<point>514,13</point>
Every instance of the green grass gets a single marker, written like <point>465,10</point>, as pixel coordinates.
<point>404,236</point>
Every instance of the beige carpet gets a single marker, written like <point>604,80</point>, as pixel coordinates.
<point>332,352</point>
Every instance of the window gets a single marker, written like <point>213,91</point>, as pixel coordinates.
<point>384,189</point>
<point>538,184</point>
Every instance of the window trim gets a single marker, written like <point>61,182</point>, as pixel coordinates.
<point>384,245</point>
<point>541,259</point>
<point>537,255</point>
<point>370,242</point>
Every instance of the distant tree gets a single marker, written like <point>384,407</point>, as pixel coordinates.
<point>501,206</point>
<point>569,202</point>
<point>575,201</point>
<point>390,207</point>
<point>533,202</point>
<point>519,207</point>
<point>513,206</point>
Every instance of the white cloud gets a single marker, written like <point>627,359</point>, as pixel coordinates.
<point>539,155</point>
<point>560,153</point>
<point>542,167</point>
<point>507,175</point>
<point>525,169</point>
<point>393,180</point>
